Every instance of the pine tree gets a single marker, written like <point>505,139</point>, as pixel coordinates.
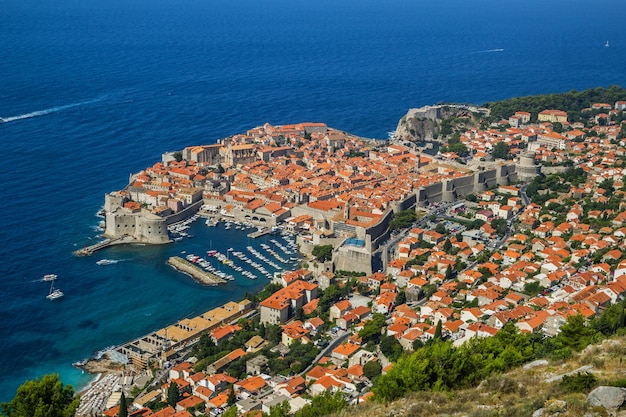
<point>47,397</point>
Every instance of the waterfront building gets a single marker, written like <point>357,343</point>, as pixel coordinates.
<point>166,342</point>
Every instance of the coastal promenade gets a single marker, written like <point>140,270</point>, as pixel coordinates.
<point>203,277</point>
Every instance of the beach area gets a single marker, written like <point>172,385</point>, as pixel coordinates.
<point>95,396</point>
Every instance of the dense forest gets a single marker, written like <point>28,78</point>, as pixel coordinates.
<point>572,102</point>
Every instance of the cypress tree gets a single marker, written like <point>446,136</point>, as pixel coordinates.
<point>437,331</point>
<point>123,406</point>
<point>172,394</point>
<point>232,399</point>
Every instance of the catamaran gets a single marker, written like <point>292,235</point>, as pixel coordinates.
<point>54,293</point>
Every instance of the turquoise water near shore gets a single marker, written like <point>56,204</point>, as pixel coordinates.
<point>139,293</point>
<point>93,91</point>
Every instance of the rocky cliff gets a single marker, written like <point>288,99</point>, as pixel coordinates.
<point>435,123</point>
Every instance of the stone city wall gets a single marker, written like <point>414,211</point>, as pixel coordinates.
<point>451,190</point>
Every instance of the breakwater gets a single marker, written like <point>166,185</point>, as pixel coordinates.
<point>259,233</point>
<point>90,250</point>
<point>203,277</point>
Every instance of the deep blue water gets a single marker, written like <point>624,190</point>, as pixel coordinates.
<point>97,90</point>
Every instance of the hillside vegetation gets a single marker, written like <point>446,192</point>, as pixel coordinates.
<point>572,102</point>
<point>559,387</point>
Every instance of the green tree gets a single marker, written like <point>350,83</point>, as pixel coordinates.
<point>372,369</point>
<point>391,348</point>
<point>607,185</point>
<point>204,347</point>
<point>172,394</point>
<point>123,406</point>
<point>273,333</point>
<point>371,329</point>
<point>400,298</point>
<point>501,151</point>
<point>331,295</point>
<point>611,320</point>
<point>232,399</point>
<point>476,224</point>
<point>324,404</point>
<point>231,412</point>
<point>448,273</point>
<point>47,397</point>
<point>299,314</point>
<point>429,289</point>
<point>455,145</point>
<point>178,155</point>
<point>500,226</point>
<point>402,219</point>
<point>323,253</point>
<point>574,334</point>
<point>437,335</point>
<point>280,410</point>
<point>532,288</point>
<point>269,289</point>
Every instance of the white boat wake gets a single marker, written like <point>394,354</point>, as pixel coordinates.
<point>50,110</point>
<point>487,51</point>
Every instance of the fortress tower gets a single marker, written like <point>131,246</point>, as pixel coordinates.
<point>527,168</point>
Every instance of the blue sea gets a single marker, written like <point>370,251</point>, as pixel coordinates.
<point>92,91</point>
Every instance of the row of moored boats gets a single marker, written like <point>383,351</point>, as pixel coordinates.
<point>225,259</point>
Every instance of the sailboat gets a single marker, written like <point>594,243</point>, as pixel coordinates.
<point>54,293</point>
<point>606,44</point>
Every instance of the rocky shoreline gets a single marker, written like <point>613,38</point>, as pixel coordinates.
<point>104,365</point>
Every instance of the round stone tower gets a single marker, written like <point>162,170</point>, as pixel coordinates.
<point>526,167</point>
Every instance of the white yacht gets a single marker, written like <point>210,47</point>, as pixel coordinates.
<point>50,277</point>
